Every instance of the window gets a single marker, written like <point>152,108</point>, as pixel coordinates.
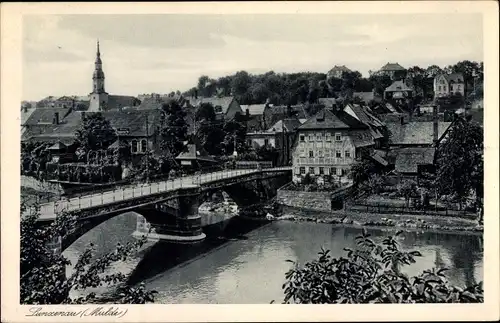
<point>302,138</point>
<point>321,170</point>
<point>311,170</point>
<point>302,170</point>
<point>311,138</point>
<point>144,145</point>
<point>318,137</point>
<point>311,154</point>
<point>439,88</point>
<point>327,153</point>
<point>445,89</point>
<point>339,171</point>
<point>218,109</point>
<point>347,153</point>
<point>344,172</point>
<point>266,142</point>
<point>302,153</point>
<point>328,137</point>
<point>338,154</point>
<point>338,137</point>
<point>459,87</point>
<point>333,171</point>
<point>320,153</point>
<point>134,146</point>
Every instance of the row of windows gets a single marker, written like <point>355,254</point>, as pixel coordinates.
<point>319,137</point>
<point>323,171</point>
<point>139,146</point>
<point>338,153</point>
<point>444,88</point>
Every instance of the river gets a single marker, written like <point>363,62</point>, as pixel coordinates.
<point>244,261</point>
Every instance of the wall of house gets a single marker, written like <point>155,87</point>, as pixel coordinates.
<point>232,109</point>
<point>319,152</point>
<point>259,141</point>
<point>442,88</point>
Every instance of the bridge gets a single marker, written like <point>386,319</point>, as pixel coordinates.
<point>170,206</point>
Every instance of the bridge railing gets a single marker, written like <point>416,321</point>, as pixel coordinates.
<point>48,210</point>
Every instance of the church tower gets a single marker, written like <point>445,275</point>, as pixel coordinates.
<point>98,97</point>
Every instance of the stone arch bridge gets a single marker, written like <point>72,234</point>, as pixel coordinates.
<point>171,207</point>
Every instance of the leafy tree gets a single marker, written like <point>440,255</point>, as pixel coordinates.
<point>361,171</point>
<point>173,129</point>
<point>371,273</point>
<point>95,132</point>
<point>43,278</point>
<point>205,112</point>
<point>460,161</point>
<point>380,83</point>
<point>234,131</point>
<point>407,189</point>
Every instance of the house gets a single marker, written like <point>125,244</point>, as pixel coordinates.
<point>411,162</point>
<point>225,107</point>
<point>394,70</point>
<point>365,115</point>
<point>328,143</point>
<point>337,71</point>
<point>41,120</point>
<point>194,156</point>
<point>255,116</point>
<point>398,90</point>
<point>448,84</point>
<point>275,113</point>
<point>280,136</point>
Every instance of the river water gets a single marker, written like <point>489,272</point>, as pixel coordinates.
<point>244,261</point>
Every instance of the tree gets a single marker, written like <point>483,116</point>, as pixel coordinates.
<point>380,83</point>
<point>205,112</point>
<point>95,132</point>
<point>234,131</point>
<point>43,272</point>
<point>407,189</point>
<point>460,161</point>
<point>371,273</point>
<point>173,129</point>
<point>361,171</point>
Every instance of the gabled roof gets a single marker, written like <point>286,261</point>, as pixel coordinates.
<point>254,109</point>
<point>362,139</point>
<point>326,119</point>
<point>45,116</point>
<point>392,67</point>
<point>398,86</point>
<point>58,146</point>
<point>288,125</point>
<point>193,150</point>
<point>454,78</point>
<point>415,133</point>
<point>122,101</point>
<point>407,160</point>
<point>223,102</point>
<point>25,115</point>
<point>339,68</point>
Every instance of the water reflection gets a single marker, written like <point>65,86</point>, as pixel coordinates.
<point>244,261</point>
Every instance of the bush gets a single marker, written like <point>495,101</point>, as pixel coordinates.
<point>371,274</point>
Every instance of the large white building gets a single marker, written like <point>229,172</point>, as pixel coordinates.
<point>448,84</point>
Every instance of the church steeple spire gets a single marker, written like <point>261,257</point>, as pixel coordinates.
<point>98,97</point>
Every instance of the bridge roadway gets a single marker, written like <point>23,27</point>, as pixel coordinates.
<point>49,210</point>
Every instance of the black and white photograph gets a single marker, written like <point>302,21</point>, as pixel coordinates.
<point>250,158</point>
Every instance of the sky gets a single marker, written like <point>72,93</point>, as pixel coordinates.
<point>164,53</point>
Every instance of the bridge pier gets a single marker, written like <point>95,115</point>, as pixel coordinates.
<point>175,220</point>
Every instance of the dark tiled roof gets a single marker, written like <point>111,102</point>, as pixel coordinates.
<point>398,86</point>
<point>339,68</point>
<point>45,116</point>
<point>454,78</point>
<point>25,115</point>
<point>408,159</point>
<point>290,125</point>
<point>326,119</point>
<point>254,109</point>
<point>329,102</point>
<point>415,133</point>
<point>274,114</point>
<point>392,67</point>
<point>122,101</point>
<point>223,102</point>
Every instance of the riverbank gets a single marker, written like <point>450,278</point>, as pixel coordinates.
<point>360,219</point>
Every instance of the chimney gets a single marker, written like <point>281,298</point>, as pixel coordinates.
<point>56,118</point>
<point>247,112</point>
<point>402,120</point>
<point>435,124</point>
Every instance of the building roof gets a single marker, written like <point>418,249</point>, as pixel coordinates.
<point>275,113</point>
<point>326,119</point>
<point>329,102</point>
<point>364,96</point>
<point>45,116</point>
<point>398,86</point>
<point>254,109</point>
<point>454,78</point>
<point>415,133</point>
<point>338,68</point>
<point>58,146</point>
<point>392,67</point>
<point>193,150</point>
<point>222,102</point>
<point>407,160</point>
<point>122,101</point>
<point>25,115</point>
<point>288,125</point>
<point>361,138</point>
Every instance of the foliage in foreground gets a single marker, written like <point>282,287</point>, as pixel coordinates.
<point>43,272</point>
<point>371,274</point>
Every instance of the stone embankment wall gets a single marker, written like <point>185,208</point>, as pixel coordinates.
<point>33,183</point>
<point>320,201</point>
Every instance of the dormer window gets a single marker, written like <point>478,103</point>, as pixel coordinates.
<point>338,137</point>
<point>218,109</point>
